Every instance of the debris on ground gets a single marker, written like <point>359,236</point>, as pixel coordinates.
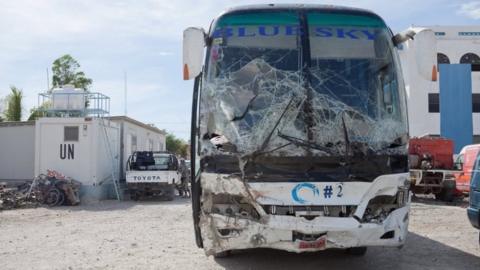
<point>52,189</point>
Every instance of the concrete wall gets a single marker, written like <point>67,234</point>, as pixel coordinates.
<point>17,148</point>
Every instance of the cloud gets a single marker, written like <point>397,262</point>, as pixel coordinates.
<point>470,9</point>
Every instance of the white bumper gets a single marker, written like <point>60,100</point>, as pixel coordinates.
<point>276,231</point>
<point>155,177</point>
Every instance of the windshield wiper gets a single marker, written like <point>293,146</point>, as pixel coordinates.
<point>347,140</point>
<point>240,117</point>
<point>305,143</point>
<point>397,142</point>
<point>269,137</point>
<point>359,178</point>
<point>261,151</point>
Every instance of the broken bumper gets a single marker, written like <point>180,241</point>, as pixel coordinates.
<point>278,232</point>
<point>222,232</point>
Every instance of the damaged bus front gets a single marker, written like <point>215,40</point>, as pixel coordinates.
<point>299,130</point>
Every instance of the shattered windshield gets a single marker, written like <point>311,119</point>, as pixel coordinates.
<point>283,83</point>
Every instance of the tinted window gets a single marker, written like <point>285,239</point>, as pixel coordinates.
<point>433,103</point>
<point>476,103</point>
<point>470,58</point>
<point>476,174</point>
<point>442,59</point>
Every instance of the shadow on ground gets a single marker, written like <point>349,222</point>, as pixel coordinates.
<point>109,205</point>
<point>460,201</point>
<point>418,253</point>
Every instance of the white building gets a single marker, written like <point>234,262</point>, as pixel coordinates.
<point>455,45</point>
<point>137,136</point>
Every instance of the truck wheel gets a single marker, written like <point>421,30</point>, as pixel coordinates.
<point>170,197</point>
<point>357,251</point>
<point>134,196</point>
<point>170,193</point>
<point>448,192</point>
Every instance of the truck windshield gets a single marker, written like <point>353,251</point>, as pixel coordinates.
<point>162,162</point>
<point>281,81</point>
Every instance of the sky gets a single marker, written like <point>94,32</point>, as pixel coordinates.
<point>144,39</point>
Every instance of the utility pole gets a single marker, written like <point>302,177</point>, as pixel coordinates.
<point>48,81</point>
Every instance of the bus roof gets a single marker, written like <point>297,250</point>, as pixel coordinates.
<point>316,7</point>
<point>326,8</point>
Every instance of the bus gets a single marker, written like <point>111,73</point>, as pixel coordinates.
<point>299,128</point>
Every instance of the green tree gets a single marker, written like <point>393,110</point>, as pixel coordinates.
<point>13,112</point>
<point>66,71</point>
<point>37,112</point>
<point>176,145</point>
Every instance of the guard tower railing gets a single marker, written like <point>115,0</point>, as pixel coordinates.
<point>69,102</point>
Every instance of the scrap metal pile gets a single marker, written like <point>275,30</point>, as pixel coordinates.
<point>52,189</point>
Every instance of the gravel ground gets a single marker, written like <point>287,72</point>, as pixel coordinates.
<point>159,235</point>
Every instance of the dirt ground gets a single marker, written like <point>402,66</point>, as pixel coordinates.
<point>159,235</point>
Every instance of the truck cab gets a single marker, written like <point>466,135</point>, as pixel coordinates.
<point>152,174</point>
<point>473,210</point>
<point>465,162</point>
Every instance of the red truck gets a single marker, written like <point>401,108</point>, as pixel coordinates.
<point>464,162</point>
<point>432,169</point>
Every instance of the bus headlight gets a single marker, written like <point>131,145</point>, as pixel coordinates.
<point>381,206</point>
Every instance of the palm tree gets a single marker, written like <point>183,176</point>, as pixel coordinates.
<point>14,105</point>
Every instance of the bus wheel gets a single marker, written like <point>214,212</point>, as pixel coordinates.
<point>357,251</point>
<point>222,254</point>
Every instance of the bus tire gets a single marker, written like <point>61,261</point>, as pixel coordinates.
<point>357,251</point>
<point>222,254</point>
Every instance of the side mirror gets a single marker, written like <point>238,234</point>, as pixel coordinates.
<point>421,42</point>
<point>193,47</point>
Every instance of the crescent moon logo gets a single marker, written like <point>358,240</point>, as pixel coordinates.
<point>300,186</point>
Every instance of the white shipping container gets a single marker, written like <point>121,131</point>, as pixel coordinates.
<point>17,148</point>
<point>78,148</point>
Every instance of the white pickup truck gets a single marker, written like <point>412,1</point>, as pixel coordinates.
<point>152,174</point>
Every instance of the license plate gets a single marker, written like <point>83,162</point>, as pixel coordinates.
<point>320,243</point>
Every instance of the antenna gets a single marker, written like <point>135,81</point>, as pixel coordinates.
<point>125,92</point>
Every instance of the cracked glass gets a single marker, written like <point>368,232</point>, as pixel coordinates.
<point>287,83</point>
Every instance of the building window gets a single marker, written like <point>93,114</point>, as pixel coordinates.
<point>70,134</point>
<point>442,59</point>
<point>134,143</point>
<point>470,58</point>
<point>469,33</point>
<point>476,103</point>
<point>150,144</point>
<point>433,103</point>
